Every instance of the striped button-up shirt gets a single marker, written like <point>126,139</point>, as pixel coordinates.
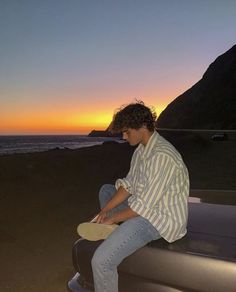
<point>158,182</point>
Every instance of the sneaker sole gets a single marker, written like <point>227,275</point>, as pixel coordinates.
<point>95,231</point>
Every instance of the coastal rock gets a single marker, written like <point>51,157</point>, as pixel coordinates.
<point>210,103</point>
<point>105,133</point>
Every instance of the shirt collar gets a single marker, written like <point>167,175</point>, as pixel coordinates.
<point>145,151</point>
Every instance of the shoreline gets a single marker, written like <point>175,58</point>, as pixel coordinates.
<point>10,145</point>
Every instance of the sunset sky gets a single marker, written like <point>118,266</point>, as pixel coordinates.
<point>66,65</point>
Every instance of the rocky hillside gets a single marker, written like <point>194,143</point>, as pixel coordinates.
<point>210,103</point>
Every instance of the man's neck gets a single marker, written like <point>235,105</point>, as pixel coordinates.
<point>146,136</point>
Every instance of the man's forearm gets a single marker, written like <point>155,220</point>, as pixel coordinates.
<point>120,196</point>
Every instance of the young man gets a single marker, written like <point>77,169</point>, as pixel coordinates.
<point>151,201</point>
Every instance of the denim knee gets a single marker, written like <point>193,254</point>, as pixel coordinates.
<point>103,190</point>
<point>105,193</point>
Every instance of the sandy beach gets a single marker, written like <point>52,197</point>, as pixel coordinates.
<point>44,196</point>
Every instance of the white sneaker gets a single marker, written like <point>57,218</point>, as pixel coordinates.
<point>95,231</point>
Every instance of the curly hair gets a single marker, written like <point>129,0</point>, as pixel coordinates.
<point>134,115</point>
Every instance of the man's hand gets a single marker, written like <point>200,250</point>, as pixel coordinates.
<point>117,217</point>
<point>118,198</point>
<point>101,217</point>
<point>108,220</point>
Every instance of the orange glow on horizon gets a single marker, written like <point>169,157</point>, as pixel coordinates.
<point>54,123</point>
<point>61,122</point>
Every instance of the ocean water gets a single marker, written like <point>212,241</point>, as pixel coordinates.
<point>39,143</point>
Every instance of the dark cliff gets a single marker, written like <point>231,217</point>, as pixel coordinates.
<point>210,103</point>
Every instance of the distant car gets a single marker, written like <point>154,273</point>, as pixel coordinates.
<point>219,137</point>
<point>204,260</point>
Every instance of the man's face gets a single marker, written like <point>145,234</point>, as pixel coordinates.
<point>132,136</point>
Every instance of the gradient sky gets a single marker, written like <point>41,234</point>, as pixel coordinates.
<point>66,65</point>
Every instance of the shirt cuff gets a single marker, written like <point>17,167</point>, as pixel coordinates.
<point>125,184</point>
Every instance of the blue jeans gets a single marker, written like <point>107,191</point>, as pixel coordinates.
<point>131,235</point>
